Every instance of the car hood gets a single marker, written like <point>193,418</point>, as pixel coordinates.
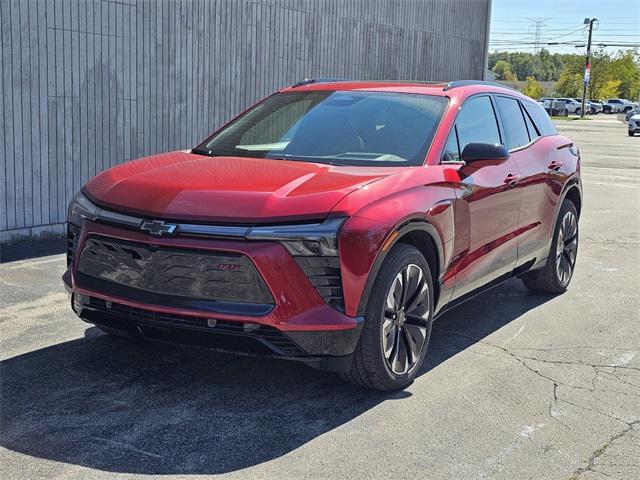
<point>185,186</point>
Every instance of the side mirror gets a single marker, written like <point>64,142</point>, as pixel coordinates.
<point>475,152</point>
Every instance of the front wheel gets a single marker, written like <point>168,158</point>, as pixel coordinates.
<point>557,273</point>
<point>631,133</point>
<point>397,323</point>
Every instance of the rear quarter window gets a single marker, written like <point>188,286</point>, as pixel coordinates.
<point>540,119</point>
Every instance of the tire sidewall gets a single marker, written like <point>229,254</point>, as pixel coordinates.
<point>400,256</point>
<point>567,206</point>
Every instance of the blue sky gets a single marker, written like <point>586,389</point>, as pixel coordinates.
<point>513,23</point>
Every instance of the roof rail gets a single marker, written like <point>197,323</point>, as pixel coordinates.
<point>307,81</point>
<point>465,83</point>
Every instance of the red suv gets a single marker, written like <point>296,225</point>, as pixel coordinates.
<point>330,223</point>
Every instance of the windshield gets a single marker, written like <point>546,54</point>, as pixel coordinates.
<point>339,128</point>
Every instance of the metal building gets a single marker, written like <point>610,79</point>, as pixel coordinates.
<point>87,84</point>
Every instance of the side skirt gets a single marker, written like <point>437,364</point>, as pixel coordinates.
<point>522,269</point>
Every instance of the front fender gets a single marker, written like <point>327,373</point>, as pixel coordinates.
<point>364,244</point>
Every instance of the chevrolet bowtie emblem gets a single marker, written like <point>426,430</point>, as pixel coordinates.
<point>158,228</point>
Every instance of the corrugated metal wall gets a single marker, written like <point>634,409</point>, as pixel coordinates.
<point>89,84</point>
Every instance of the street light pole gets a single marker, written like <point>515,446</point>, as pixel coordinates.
<point>587,65</point>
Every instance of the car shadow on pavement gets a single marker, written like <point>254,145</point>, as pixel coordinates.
<point>115,405</point>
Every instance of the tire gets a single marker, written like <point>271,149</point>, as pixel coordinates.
<point>578,111</point>
<point>553,278</point>
<point>378,362</point>
<point>631,133</point>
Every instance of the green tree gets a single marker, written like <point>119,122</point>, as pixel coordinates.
<point>610,89</point>
<point>626,70</point>
<point>619,73</point>
<point>610,76</point>
<point>569,84</point>
<point>544,66</point>
<point>533,89</point>
<point>502,69</point>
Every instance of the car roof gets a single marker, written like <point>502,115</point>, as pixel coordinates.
<point>460,88</point>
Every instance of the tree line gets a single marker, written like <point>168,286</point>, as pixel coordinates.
<point>612,76</point>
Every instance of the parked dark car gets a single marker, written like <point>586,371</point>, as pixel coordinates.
<point>630,113</point>
<point>330,224</point>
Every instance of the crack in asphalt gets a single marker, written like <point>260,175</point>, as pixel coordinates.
<point>591,462</point>
<point>611,370</point>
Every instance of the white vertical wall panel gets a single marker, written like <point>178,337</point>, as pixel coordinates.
<point>87,84</point>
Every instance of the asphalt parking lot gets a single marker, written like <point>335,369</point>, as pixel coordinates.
<point>516,385</point>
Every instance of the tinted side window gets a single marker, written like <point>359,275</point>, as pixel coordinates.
<point>513,122</point>
<point>540,119</point>
<point>533,132</point>
<point>451,149</point>
<point>477,122</point>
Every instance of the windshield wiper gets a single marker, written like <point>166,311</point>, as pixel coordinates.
<point>300,158</point>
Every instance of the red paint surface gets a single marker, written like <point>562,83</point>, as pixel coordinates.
<point>298,305</point>
<point>485,226</point>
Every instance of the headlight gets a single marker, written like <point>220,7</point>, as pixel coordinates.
<point>81,208</point>
<point>316,239</point>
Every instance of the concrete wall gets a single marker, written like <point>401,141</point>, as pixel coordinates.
<point>89,84</point>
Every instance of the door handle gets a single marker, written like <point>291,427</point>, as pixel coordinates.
<point>555,165</point>
<point>512,179</point>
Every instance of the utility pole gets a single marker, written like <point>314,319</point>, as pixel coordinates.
<point>587,65</point>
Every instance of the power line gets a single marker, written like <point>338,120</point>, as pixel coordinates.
<point>567,34</point>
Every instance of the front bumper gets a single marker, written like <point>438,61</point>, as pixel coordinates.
<point>298,326</point>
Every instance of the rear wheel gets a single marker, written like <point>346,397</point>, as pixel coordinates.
<point>397,323</point>
<point>557,273</point>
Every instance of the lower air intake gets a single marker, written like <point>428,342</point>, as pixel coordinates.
<point>324,274</point>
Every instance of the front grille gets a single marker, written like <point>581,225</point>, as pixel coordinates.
<point>73,234</point>
<point>324,274</point>
<point>274,338</point>
<point>158,273</point>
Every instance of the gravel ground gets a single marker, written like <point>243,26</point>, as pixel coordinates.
<point>515,386</point>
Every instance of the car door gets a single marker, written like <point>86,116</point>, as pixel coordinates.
<point>545,167</point>
<point>487,204</point>
<point>532,159</point>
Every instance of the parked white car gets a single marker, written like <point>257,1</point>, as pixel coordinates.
<point>569,103</point>
<point>634,124</point>
<point>618,105</point>
<point>572,105</point>
<point>592,108</point>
